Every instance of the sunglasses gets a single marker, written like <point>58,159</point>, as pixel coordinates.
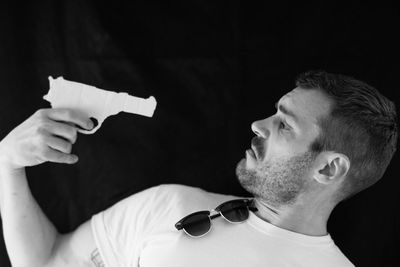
<point>199,223</point>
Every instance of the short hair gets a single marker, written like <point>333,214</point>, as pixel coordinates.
<point>362,124</point>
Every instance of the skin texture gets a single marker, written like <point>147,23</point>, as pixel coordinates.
<point>294,188</point>
<point>278,181</point>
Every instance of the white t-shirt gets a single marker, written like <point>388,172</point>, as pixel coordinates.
<point>139,231</point>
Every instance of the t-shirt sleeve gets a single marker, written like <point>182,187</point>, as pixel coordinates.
<point>119,230</point>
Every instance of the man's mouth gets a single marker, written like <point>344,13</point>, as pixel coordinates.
<point>251,153</point>
<point>257,148</point>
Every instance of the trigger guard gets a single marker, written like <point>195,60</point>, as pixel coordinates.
<point>89,131</point>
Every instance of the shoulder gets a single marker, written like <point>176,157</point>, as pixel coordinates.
<point>187,196</point>
<point>181,191</point>
<point>180,200</point>
<point>178,189</point>
<point>335,257</point>
<point>339,259</point>
<point>165,195</point>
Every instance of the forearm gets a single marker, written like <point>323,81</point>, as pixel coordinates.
<point>28,233</point>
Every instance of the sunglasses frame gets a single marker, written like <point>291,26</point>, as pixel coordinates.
<point>217,212</point>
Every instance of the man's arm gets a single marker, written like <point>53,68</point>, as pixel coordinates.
<point>31,239</point>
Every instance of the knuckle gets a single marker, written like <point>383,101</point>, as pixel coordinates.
<point>67,114</point>
<point>68,147</point>
<point>45,125</point>
<point>32,149</point>
<point>46,153</point>
<point>59,156</point>
<point>41,120</point>
<point>40,130</point>
<point>42,141</point>
<point>41,113</point>
<point>71,132</point>
<point>74,138</point>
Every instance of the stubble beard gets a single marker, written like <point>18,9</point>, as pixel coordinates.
<point>278,182</point>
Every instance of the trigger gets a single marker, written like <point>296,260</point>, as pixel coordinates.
<point>95,122</point>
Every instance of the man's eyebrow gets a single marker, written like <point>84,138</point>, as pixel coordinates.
<point>287,112</point>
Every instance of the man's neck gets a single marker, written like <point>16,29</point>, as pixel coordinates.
<point>296,218</point>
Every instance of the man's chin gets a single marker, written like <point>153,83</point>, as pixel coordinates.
<point>244,174</point>
<point>240,166</point>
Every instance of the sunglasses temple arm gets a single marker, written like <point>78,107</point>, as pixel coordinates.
<point>178,226</point>
<point>215,215</point>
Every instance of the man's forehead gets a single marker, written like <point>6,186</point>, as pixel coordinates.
<point>308,104</point>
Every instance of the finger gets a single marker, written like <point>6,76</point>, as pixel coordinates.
<point>59,144</point>
<point>64,130</point>
<point>59,157</point>
<point>70,116</point>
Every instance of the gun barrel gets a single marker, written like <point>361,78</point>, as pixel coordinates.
<point>140,106</point>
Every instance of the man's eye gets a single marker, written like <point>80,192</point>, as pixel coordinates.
<point>283,126</point>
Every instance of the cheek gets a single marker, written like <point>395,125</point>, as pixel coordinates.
<point>278,149</point>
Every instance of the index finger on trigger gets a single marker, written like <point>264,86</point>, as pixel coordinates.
<point>71,116</point>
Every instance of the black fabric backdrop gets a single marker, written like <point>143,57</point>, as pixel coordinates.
<point>214,68</point>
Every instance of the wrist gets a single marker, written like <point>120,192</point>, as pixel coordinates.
<point>10,169</point>
<point>5,164</point>
<point>8,172</point>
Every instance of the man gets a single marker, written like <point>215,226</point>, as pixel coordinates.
<point>332,136</point>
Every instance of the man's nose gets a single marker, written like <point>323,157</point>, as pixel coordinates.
<point>260,128</point>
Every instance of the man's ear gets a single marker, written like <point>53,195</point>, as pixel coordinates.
<point>331,167</point>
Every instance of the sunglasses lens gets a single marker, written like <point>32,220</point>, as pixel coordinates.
<point>197,224</point>
<point>235,211</point>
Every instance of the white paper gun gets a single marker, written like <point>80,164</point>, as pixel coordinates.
<point>95,102</point>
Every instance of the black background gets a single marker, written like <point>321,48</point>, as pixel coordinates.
<point>214,67</point>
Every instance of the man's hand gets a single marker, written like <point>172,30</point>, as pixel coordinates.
<point>48,135</point>
<point>31,239</point>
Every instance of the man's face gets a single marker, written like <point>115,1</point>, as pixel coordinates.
<point>277,167</point>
